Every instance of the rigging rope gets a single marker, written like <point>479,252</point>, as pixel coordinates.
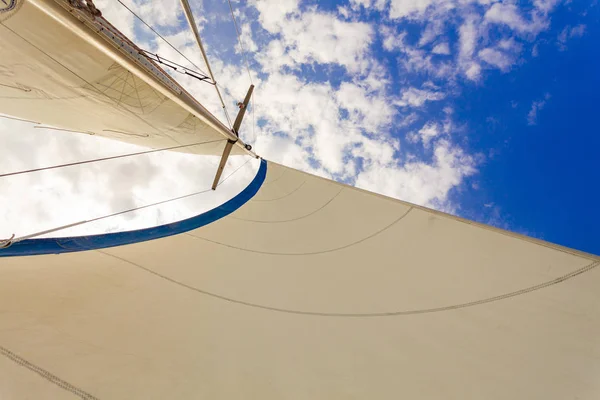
<point>107,158</point>
<point>192,23</point>
<point>180,53</point>
<point>245,56</point>
<point>239,37</point>
<point>9,242</point>
<point>160,36</point>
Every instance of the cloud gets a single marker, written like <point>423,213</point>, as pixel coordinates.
<point>417,97</point>
<point>420,182</point>
<point>38,201</point>
<point>536,106</point>
<point>510,15</point>
<point>441,48</point>
<point>414,8</point>
<point>326,100</point>
<point>312,37</point>
<point>496,58</point>
<point>568,33</point>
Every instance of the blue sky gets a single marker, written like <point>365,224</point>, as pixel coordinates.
<point>484,109</point>
<point>481,108</point>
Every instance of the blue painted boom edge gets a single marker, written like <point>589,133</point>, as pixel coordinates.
<point>32,247</point>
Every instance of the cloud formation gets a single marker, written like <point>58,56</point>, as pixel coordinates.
<point>359,92</point>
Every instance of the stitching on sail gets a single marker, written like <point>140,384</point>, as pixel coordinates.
<point>46,375</point>
<point>286,195</point>
<point>293,219</point>
<point>313,252</point>
<point>504,296</point>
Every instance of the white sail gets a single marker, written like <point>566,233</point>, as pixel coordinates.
<point>298,287</point>
<point>61,67</point>
<point>311,289</point>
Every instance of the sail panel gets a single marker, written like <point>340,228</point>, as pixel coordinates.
<point>82,83</point>
<point>311,289</point>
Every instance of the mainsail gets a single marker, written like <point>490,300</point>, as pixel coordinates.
<point>298,287</point>
<point>64,67</point>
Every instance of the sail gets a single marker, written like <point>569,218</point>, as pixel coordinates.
<point>297,287</point>
<point>301,287</point>
<point>61,67</point>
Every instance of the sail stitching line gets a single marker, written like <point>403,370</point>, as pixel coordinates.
<point>63,130</point>
<point>276,179</point>
<point>307,253</point>
<point>46,374</point>
<point>504,296</point>
<point>18,119</point>
<point>293,219</point>
<point>284,196</point>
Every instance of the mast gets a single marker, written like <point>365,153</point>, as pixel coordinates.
<point>98,33</point>
<point>243,106</point>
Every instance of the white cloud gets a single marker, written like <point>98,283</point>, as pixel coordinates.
<point>441,48</point>
<point>414,8</point>
<point>468,35</point>
<point>568,33</point>
<point>426,134</point>
<point>419,182</point>
<point>496,58</point>
<point>417,97</point>
<point>35,202</point>
<point>510,15</point>
<point>473,71</point>
<point>312,37</point>
<point>349,125</point>
<point>536,106</point>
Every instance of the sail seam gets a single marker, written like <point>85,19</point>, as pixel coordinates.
<point>307,253</point>
<point>46,374</point>
<point>284,196</point>
<point>504,296</point>
<point>293,219</point>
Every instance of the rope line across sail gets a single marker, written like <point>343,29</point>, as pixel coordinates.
<point>12,240</point>
<point>107,158</point>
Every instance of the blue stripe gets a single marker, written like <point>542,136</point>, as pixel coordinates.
<point>31,247</point>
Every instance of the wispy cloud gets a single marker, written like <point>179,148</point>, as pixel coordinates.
<point>330,101</point>
<point>536,107</point>
<point>567,33</point>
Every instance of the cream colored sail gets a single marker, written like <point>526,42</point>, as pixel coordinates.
<point>62,67</point>
<point>311,289</point>
<point>296,288</point>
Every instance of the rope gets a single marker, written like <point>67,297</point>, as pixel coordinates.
<point>160,36</point>
<point>192,23</point>
<point>236,170</point>
<point>12,240</point>
<point>239,37</point>
<point>190,61</point>
<point>106,158</point>
<point>245,55</point>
